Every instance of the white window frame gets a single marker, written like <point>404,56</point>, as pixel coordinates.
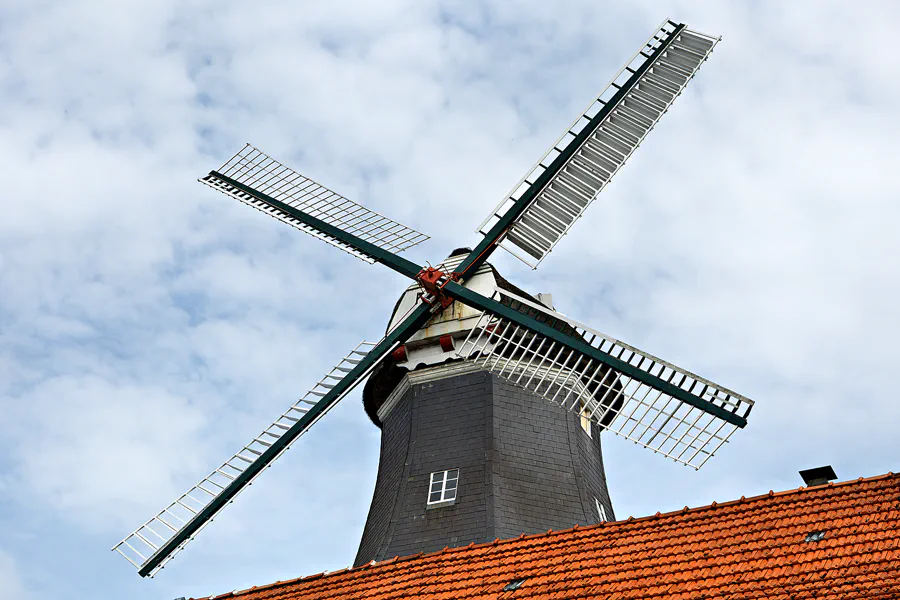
<point>601,512</point>
<point>443,487</point>
<point>585,417</point>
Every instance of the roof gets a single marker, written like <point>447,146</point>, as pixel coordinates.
<point>748,548</point>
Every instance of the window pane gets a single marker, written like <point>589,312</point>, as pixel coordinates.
<point>443,485</point>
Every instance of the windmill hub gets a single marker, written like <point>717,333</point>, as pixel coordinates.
<point>439,340</point>
<point>433,281</point>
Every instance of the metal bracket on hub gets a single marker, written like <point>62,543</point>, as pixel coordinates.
<point>433,281</point>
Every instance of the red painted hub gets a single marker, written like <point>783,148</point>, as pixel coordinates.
<point>433,281</point>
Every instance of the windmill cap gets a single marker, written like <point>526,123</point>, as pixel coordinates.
<point>435,343</point>
<point>818,476</point>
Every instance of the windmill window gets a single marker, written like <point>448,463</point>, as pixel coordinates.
<point>442,488</point>
<point>585,417</point>
<point>601,512</point>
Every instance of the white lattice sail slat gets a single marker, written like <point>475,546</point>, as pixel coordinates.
<point>619,118</point>
<point>140,545</point>
<point>582,384</point>
<point>254,169</point>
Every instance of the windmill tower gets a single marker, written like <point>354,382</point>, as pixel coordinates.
<point>466,456</point>
<point>487,376</point>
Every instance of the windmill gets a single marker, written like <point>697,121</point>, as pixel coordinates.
<point>620,388</point>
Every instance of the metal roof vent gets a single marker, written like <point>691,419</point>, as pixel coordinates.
<point>513,585</point>
<point>546,300</point>
<point>818,476</point>
<point>815,536</point>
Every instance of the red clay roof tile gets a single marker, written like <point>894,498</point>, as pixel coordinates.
<point>747,548</point>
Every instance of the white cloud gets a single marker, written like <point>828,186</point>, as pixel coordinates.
<point>149,326</point>
<point>101,453</point>
<point>11,585</point>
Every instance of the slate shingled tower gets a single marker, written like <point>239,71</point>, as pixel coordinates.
<point>524,465</point>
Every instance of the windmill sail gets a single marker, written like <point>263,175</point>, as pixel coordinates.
<point>557,191</point>
<point>684,417</point>
<point>143,545</point>
<point>267,185</point>
<point>157,541</point>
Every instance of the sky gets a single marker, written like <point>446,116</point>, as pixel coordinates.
<point>149,327</point>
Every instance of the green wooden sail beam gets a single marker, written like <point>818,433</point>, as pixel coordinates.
<point>397,336</point>
<point>494,236</point>
<point>378,254</point>
<point>579,346</point>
